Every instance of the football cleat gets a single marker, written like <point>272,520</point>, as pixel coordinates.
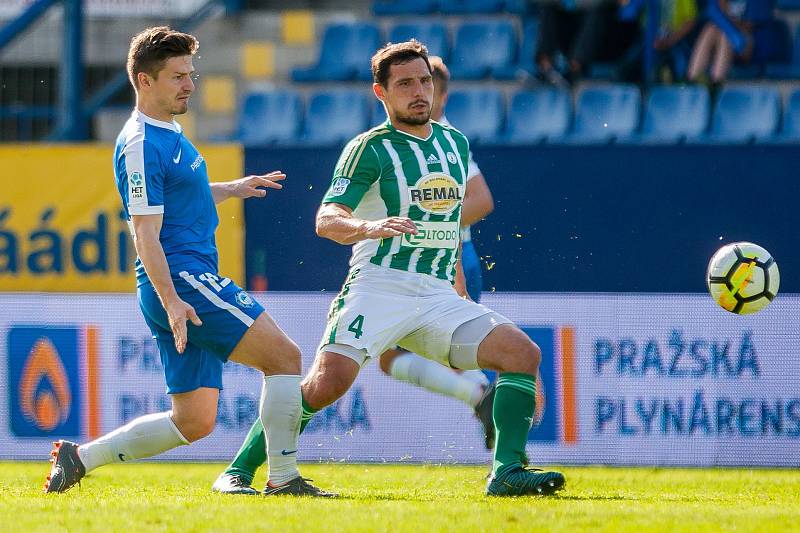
<point>298,486</point>
<point>67,468</point>
<point>233,484</point>
<point>521,481</point>
<point>483,411</point>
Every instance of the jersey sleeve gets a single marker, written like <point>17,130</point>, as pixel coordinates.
<point>145,178</point>
<point>472,167</point>
<point>357,169</point>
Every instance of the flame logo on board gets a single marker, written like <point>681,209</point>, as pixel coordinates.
<point>44,393</point>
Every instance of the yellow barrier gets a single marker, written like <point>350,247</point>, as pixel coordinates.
<point>61,222</point>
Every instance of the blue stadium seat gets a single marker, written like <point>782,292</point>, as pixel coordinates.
<point>788,5</point>
<point>524,66</point>
<point>790,70</point>
<point>605,113</point>
<point>477,113</point>
<point>431,34</point>
<point>463,7</point>
<point>482,48</point>
<point>404,7</point>
<point>674,114</point>
<point>538,115</point>
<point>270,117</point>
<point>344,54</point>
<point>791,120</point>
<point>336,116</point>
<point>744,114</point>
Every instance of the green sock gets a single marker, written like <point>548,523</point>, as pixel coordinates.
<point>252,454</point>
<point>305,418</point>
<point>514,402</point>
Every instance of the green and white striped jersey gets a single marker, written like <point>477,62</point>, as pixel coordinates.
<point>385,172</point>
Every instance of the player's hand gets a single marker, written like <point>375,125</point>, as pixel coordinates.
<point>389,227</point>
<point>178,313</point>
<point>255,186</point>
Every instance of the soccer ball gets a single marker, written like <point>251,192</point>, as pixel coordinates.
<point>743,278</point>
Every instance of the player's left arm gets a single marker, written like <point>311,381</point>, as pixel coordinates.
<point>247,187</point>
<point>460,280</point>
<point>478,201</point>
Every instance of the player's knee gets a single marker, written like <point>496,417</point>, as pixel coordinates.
<point>196,426</point>
<point>520,353</point>
<point>387,359</point>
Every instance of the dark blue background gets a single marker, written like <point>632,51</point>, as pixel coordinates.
<point>567,218</point>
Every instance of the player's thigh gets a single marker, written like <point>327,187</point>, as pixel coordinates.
<point>266,347</point>
<point>195,413</point>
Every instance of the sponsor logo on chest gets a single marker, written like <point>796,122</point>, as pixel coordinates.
<point>436,193</point>
<point>434,235</point>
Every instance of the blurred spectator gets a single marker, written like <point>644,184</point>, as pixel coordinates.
<point>737,29</point>
<point>583,34</point>
<point>672,44</point>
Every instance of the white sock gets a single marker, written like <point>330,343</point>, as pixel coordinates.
<point>281,406</point>
<point>476,376</point>
<point>412,368</point>
<point>142,437</point>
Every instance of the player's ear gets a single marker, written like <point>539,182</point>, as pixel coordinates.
<point>143,78</point>
<point>380,92</point>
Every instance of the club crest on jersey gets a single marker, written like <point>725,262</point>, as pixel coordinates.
<point>452,158</point>
<point>244,299</point>
<point>339,186</point>
<point>436,193</point>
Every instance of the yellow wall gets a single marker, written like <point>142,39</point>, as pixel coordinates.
<point>60,224</point>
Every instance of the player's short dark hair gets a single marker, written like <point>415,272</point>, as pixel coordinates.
<point>151,48</point>
<point>396,54</point>
<point>441,75</point>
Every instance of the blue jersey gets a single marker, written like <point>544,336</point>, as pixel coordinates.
<point>159,171</point>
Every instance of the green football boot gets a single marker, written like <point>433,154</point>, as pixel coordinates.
<point>521,481</point>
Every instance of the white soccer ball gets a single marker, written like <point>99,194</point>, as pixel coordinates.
<point>743,278</point>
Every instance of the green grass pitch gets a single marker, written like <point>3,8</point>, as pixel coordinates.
<point>176,497</point>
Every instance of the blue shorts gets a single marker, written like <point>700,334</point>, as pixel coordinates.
<point>472,270</point>
<point>227,312</point>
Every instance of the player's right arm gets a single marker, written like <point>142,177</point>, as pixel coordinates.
<point>337,223</point>
<point>356,171</point>
<point>146,230</point>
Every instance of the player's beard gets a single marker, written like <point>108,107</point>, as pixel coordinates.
<point>415,120</point>
<point>181,107</point>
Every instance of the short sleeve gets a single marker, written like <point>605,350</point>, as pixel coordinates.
<point>472,167</point>
<point>357,169</point>
<point>145,178</point>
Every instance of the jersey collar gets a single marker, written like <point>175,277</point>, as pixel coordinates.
<point>391,127</point>
<point>174,126</point>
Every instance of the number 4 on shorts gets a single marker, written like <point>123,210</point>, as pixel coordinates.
<point>356,326</point>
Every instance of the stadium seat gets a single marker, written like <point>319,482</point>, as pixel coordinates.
<point>537,115</point>
<point>524,66</point>
<point>482,48</point>
<point>790,133</point>
<point>344,54</point>
<point>477,113</point>
<point>674,114</point>
<point>744,114</point>
<point>605,113</point>
<point>464,7</point>
<point>336,116</point>
<point>431,34</point>
<point>404,7</point>
<point>791,69</point>
<point>269,117</point>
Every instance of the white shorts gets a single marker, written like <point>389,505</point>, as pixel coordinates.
<point>380,308</point>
